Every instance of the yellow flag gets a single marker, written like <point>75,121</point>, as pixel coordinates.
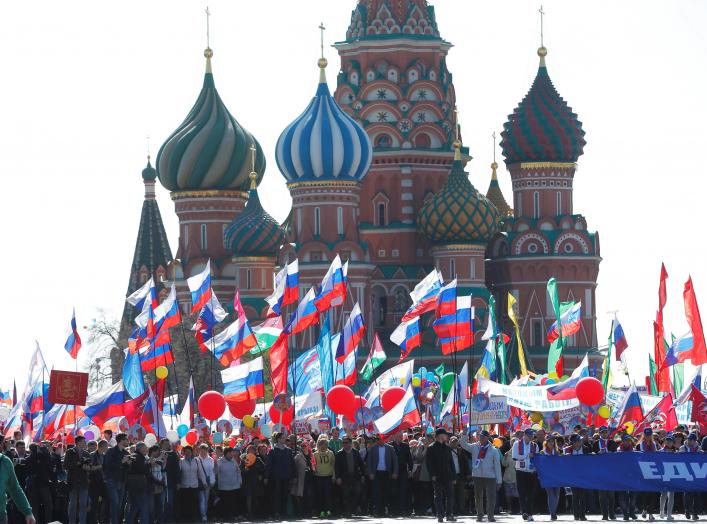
<point>512,316</point>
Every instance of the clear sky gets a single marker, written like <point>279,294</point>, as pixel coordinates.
<point>84,83</point>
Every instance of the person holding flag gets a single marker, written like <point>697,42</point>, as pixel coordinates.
<point>485,473</point>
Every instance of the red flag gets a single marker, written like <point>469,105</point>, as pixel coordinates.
<point>560,366</point>
<point>158,389</point>
<point>662,378</point>
<point>662,292</point>
<point>278,364</point>
<point>133,409</point>
<point>698,353</point>
<point>662,416</point>
<point>699,409</point>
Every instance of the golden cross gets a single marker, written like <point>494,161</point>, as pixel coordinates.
<point>321,31</point>
<point>456,122</point>
<point>494,145</point>
<point>252,157</point>
<point>208,35</point>
<point>542,36</point>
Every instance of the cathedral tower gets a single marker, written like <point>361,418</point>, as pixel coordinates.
<point>542,141</point>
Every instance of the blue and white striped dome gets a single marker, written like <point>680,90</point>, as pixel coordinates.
<point>323,143</point>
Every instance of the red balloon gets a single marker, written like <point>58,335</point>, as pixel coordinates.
<point>339,399</point>
<point>191,437</point>
<point>280,417</point>
<point>590,391</point>
<point>391,397</point>
<point>232,442</point>
<point>357,403</point>
<point>240,409</point>
<point>211,405</point>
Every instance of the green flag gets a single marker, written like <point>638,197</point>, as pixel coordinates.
<point>266,334</point>
<point>558,345</point>
<point>678,372</point>
<point>375,358</point>
<point>652,369</point>
<point>496,339</point>
<point>439,370</point>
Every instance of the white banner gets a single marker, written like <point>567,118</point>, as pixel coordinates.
<point>496,413</point>
<point>529,398</point>
<point>308,406</point>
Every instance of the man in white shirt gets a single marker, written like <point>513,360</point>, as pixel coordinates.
<point>485,472</point>
<point>523,453</point>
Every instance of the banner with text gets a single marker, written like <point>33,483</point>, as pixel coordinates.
<point>496,413</point>
<point>624,471</point>
<point>530,398</point>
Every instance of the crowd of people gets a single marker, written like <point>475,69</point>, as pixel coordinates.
<point>413,473</point>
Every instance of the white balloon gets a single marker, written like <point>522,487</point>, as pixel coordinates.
<point>4,412</point>
<point>150,440</point>
<point>172,436</point>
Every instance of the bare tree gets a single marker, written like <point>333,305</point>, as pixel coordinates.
<point>102,342</point>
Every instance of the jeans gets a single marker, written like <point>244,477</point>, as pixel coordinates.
<point>526,490</point>
<point>484,487</point>
<point>204,502</point>
<point>553,499</point>
<point>138,506</point>
<point>324,493</point>
<point>444,498</point>
<point>158,504</point>
<point>78,502</point>
<point>116,494</point>
<point>667,499</point>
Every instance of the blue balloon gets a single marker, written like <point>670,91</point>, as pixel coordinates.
<point>430,376</point>
<point>422,372</point>
<point>182,430</point>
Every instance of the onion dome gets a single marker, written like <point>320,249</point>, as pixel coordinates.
<point>458,213</point>
<point>149,173</point>
<point>254,232</point>
<point>495,195</point>
<point>323,143</point>
<point>543,127</point>
<point>375,19</point>
<point>210,149</point>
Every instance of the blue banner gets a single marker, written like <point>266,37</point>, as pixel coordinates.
<point>627,471</point>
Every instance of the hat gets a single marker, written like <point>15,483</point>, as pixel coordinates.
<point>441,431</point>
<point>603,428</point>
<point>529,431</point>
<point>670,437</point>
<point>484,433</point>
<point>648,431</point>
<point>692,436</point>
<point>627,437</point>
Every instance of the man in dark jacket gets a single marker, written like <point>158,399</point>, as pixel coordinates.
<point>39,470</point>
<point>401,506</point>
<point>280,468</point>
<point>138,487</point>
<point>172,472</point>
<point>350,473</point>
<point>440,466</point>
<point>98,494</point>
<point>115,465</point>
<point>77,463</point>
<point>382,465</point>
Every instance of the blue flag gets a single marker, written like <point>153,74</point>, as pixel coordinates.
<point>132,375</point>
<point>326,362</point>
<point>306,371</point>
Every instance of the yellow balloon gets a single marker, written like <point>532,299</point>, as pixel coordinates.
<point>497,442</point>
<point>629,427</point>
<point>536,416</point>
<point>553,375</point>
<point>248,421</point>
<point>416,381</point>
<point>604,412</point>
<point>161,372</point>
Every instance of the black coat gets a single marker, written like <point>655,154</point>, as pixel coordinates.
<point>611,446</point>
<point>341,468</point>
<point>404,457</point>
<point>439,462</point>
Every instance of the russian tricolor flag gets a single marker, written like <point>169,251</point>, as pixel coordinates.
<point>211,314</point>
<point>200,287</point>
<point>306,315</point>
<point>352,335</point>
<point>286,289</point>
<point>73,340</point>
<point>571,321</point>
<point>153,357</point>
<point>333,288</point>
<point>407,336</point>
<point>620,342</point>
<point>187,415</point>
<point>169,406</point>
<point>105,404</point>
<point>424,296</point>
<point>233,342</point>
<point>447,300</point>
<point>137,298</point>
<point>566,390</point>
<point>679,350</point>
<point>346,373</point>
<point>244,382</point>
<point>167,314</point>
<point>403,416</point>
<point>631,409</point>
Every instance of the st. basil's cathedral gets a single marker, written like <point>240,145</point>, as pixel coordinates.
<point>376,175</point>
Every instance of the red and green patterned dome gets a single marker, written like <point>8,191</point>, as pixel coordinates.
<point>543,127</point>
<point>458,213</point>
<point>254,232</point>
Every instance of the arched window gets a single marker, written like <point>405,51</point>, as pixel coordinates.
<point>381,214</point>
<point>423,140</point>
<point>204,241</point>
<point>248,279</point>
<point>340,220</point>
<point>452,268</point>
<point>384,140</point>
<point>186,236</point>
<point>536,204</point>
<point>299,221</point>
<point>317,222</point>
<point>558,200</point>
